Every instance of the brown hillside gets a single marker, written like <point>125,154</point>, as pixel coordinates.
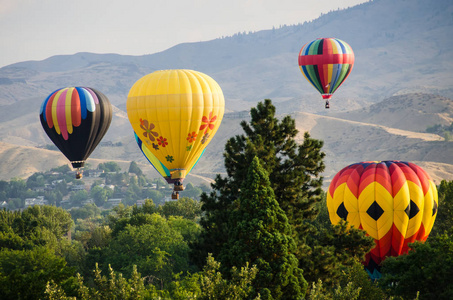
<point>414,112</point>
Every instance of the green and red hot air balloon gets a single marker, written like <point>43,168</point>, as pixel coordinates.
<point>326,63</point>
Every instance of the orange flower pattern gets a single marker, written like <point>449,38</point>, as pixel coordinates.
<point>209,122</point>
<point>192,137</point>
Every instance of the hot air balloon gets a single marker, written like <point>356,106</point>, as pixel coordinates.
<point>175,114</point>
<point>326,63</point>
<point>395,202</point>
<point>76,119</point>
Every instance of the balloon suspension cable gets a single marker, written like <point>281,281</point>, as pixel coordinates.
<point>79,174</point>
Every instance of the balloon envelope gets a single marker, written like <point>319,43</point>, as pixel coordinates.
<point>158,166</point>
<point>326,63</point>
<point>175,114</point>
<point>394,202</point>
<point>76,119</point>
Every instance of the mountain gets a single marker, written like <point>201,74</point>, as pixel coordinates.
<point>414,112</point>
<point>400,85</point>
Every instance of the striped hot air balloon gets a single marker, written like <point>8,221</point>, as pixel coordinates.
<point>76,119</point>
<point>326,63</point>
<point>395,202</point>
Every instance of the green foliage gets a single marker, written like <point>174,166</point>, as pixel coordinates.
<point>293,169</point>
<point>78,197</point>
<point>210,284</point>
<point>260,235</point>
<point>100,195</point>
<point>334,248</point>
<point>37,225</point>
<point>88,211</point>
<point>427,268</point>
<point>441,130</point>
<point>184,207</point>
<point>36,180</point>
<point>357,278</point>
<point>192,192</point>
<point>134,168</point>
<point>113,286</point>
<point>153,194</point>
<point>149,242</point>
<point>444,219</point>
<point>61,169</point>
<point>318,292</point>
<point>25,273</point>
<point>109,166</point>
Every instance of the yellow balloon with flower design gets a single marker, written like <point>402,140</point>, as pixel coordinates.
<point>175,114</point>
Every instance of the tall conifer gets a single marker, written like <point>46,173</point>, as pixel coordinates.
<point>294,173</point>
<point>262,237</point>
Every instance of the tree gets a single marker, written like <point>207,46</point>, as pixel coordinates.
<point>134,168</point>
<point>110,166</point>
<point>89,211</point>
<point>36,180</point>
<point>261,236</point>
<point>148,241</point>
<point>333,248</point>
<point>444,219</point>
<point>36,225</point>
<point>77,197</point>
<point>25,273</point>
<point>210,284</point>
<point>293,169</point>
<point>184,207</point>
<point>427,268</point>
<point>100,195</point>
<point>192,192</point>
<point>113,286</point>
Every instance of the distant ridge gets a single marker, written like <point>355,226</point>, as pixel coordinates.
<point>400,85</point>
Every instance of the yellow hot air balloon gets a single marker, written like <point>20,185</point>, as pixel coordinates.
<point>175,114</point>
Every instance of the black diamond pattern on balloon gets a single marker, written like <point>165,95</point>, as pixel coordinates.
<point>342,212</point>
<point>412,210</point>
<point>435,208</point>
<point>375,211</point>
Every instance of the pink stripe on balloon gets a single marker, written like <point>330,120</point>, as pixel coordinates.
<point>61,114</point>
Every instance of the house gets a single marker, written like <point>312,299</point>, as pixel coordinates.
<point>94,173</point>
<point>35,201</point>
<point>114,202</point>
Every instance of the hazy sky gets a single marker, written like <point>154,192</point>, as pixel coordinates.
<point>38,29</point>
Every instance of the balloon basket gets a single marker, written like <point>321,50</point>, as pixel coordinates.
<point>175,195</point>
<point>79,174</point>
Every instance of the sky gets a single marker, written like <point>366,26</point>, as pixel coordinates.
<point>38,29</point>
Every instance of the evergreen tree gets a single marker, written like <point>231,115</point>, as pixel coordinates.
<point>293,170</point>
<point>134,168</point>
<point>444,219</point>
<point>262,237</point>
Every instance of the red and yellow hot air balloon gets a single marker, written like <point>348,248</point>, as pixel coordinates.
<point>395,202</point>
<point>326,63</point>
<point>76,119</point>
<point>175,114</point>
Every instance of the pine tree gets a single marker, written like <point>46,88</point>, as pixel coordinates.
<point>262,237</point>
<point>294,173</point>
